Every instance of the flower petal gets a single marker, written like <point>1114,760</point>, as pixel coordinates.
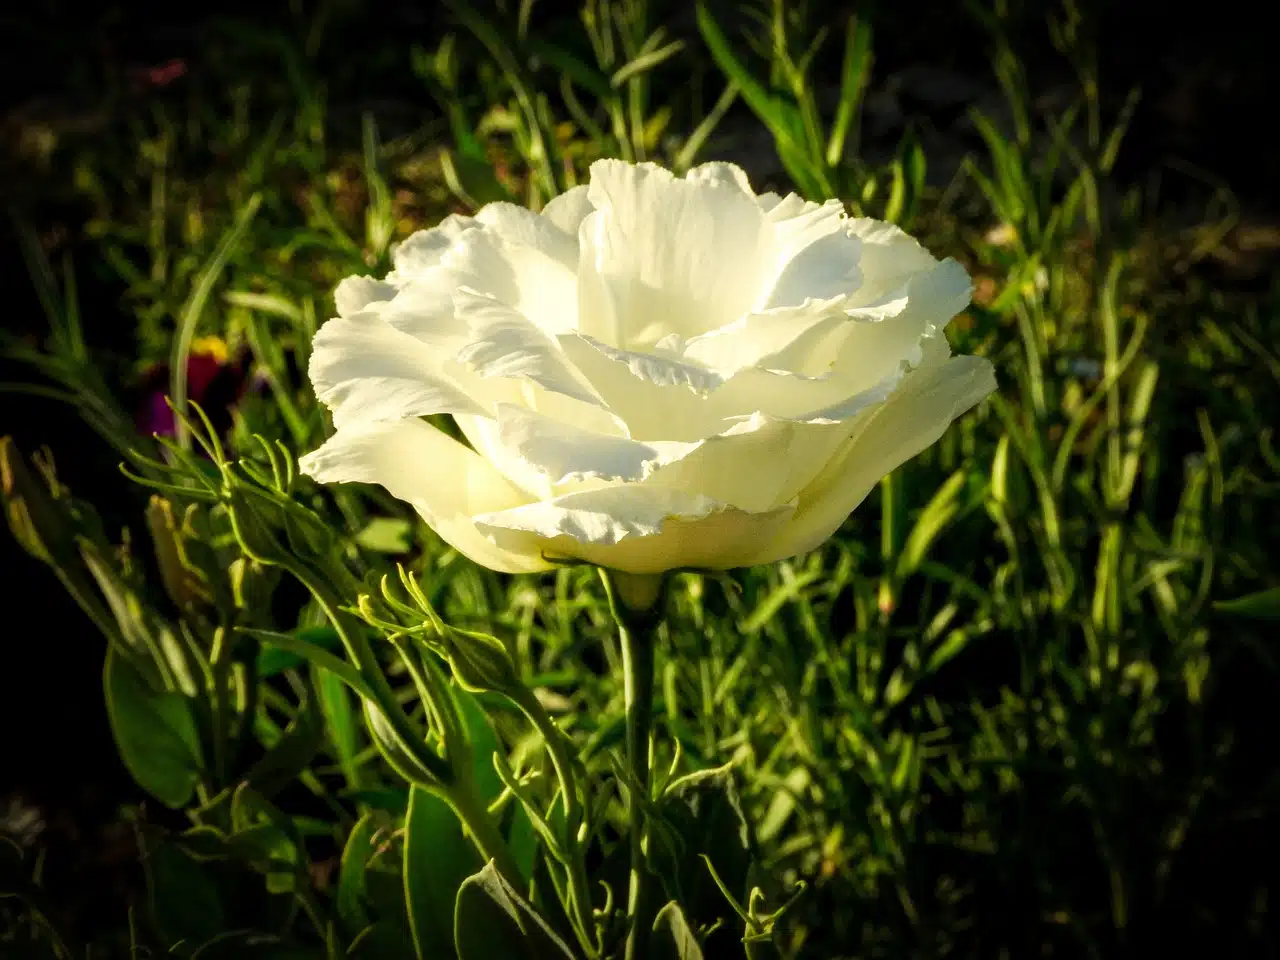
<point>722,172</point>
<point>844,351</point>
<point>662,255</point>
<point>426,248</point>
<point>568,210</point>
<point>444,481</point>
<point>749,466</point>
<point>824,268</point>
<point>658,397</point>
<point>760,339</point>
<point>652,367</point>
<point>356,293</point>
<point>518,227</point>
<point>639,529</point>
<point>885,437</point>
<point>892,332</point>
<point>502,342</point>
<point>364,369</point>
<point>520,259</point>
<point>563,452</point>
<point>889,258</point>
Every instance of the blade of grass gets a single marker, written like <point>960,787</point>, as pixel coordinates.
<point>190,317</point>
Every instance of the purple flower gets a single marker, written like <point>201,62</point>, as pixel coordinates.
<point>215,380</point>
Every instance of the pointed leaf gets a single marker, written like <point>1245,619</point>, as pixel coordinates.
<point>698,813</point>
<point>672,938</point>
<point>155,732</point>
<point>349,898</point>
<point>1263,605</point>
<point>437,859</point>
<point>182,899</point>
<point>493,920</point>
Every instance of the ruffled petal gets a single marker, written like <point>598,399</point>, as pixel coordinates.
<point>502,342</point>
<point>564,452</point>
<point>515,256</point>
<point>754,465</point>
<point>657,396</point>
<point>916,416</point>
<point>663,255</point>
<point>763,339</point>
<point>892,331</point>
<point>364,370</point>
<point>568,210</point>
<point>721,172</point>
<point>426,248</point>
<point>825,268</point>
<point>889,258</point>
<point>356,293</point>
<point>639,529</point>
<point>444,481</point>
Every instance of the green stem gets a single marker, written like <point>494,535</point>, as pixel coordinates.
<point>555,743</point>
<point>636,602</point>
<point>466,803</point>
<point>370,672</point>
<point>637,674</point>
<point>218,682</point>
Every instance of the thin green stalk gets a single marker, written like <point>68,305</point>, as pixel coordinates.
<point>471,810</point>
<point>636,602</point>
<point>573,815</point>
<point>219,676</point>
<point>637,678</point>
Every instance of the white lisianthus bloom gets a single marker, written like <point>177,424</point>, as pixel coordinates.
<point>652,373</point>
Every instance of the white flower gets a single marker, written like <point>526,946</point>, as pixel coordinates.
<point>653,373</point>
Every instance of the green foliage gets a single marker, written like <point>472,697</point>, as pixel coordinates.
<point>154,731</point>
<point>1004,711</point>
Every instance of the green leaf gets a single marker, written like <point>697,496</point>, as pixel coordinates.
<point>154,731</point>
<point>782,118</point>
<point>273,660</point>
<point>492,920</point>
<point>933,520</point>
<point>340,720</point>
<point>645,62</point>
<point>699,813</point>
<point>522,840</point>
<point>386,535</point>
<point>268,839</point>
<point>484,745</point>
<point>437,859</point>
<point>673,940</point>
<point>194,308</point>
<point>182,899</point>
<point>293,752</point>
<point>1263,605</point>
<point>577,70</point>
<point>384,889</point>
<point>349,897</point>
<point>853,80</point>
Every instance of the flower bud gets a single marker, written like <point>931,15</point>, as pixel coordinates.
<point>252,584</point>
<point>480,662</point>
<point>272,528</point>
<point>393,750</point>
<point>253,532</point>
<point>187,585</point>
<point>36,517</point>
